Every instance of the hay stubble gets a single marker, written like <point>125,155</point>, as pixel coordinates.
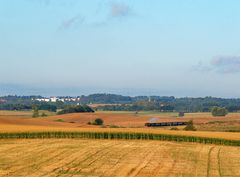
<point>70,157</point>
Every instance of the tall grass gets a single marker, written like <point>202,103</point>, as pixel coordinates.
<point>119,135</point>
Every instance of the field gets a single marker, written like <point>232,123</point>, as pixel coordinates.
<point>57,157</point>
<point>203,121</point>
<point>14,121</point>
<point>90,156</point>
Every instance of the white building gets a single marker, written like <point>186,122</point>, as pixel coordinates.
<point>53,99</point>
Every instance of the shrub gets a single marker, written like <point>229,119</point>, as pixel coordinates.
<point>35,112</point>
<point>174,128</point>
<point>190,126</point>
<point>219,111</point>
<point>98,121</point>
<point>59,120</point>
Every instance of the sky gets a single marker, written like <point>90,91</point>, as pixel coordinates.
<point>130,47</point>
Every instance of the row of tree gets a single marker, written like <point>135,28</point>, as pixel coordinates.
<point>126,103</point>
<point>75,109</point>
<point>183,106</point>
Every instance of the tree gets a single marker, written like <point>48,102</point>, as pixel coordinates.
<point>75,109</point>
<point>219,111</point>
<point>98,121</point>
<point>35,111</point>
<point>190,126</point>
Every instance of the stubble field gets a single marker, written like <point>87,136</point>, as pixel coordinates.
<point>95,157</point>
<point>67,157</point>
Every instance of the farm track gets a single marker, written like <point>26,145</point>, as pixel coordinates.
<point>214,162</point>
<point>209,161</point>
<point>219,162</point>
<point>119,158</point>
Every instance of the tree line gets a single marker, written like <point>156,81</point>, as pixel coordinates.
<point>126,103</point>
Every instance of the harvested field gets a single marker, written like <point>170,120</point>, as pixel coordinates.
<point>56,157</point>
<point>122,119</point>
<point>15,113</point>
<point>12,121</point>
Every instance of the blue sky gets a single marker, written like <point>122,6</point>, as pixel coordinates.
<point>136,47</point>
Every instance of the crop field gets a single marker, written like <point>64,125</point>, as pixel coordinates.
<point>57,157</point>
<point>14,121</point>
<point>124,119</point>
<point>45,146</point>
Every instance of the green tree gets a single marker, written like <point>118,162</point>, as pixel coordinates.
<point>219,111</point>
<point>35,112</point>
<point>98,121</point>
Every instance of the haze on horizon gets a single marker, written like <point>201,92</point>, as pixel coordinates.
<point>137,47</point>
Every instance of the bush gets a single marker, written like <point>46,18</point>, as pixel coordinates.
<point>35,112</point>
<point>59,120</point>
<point>190,126</point>
<point>174,128</point>
<point>98,121</point>
<point>219,111</point>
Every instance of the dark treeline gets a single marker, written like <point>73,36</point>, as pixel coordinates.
<point>26,103</point>
<point>75,109</point>
<point>20,107</point>
<point>119,99</point>
<point>170,104</point>
<point>105,99</point>
<point>125,103</point>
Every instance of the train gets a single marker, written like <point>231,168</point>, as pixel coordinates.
<point>160,124</point>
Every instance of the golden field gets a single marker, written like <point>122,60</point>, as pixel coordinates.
<point>95,157</point>
<point>120,118</point>
<point>68,157</point>
<point>11,121</point>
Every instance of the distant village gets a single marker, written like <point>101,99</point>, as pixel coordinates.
<point>55,99</point>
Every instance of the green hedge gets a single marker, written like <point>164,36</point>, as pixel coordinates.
<point>119,135</point>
